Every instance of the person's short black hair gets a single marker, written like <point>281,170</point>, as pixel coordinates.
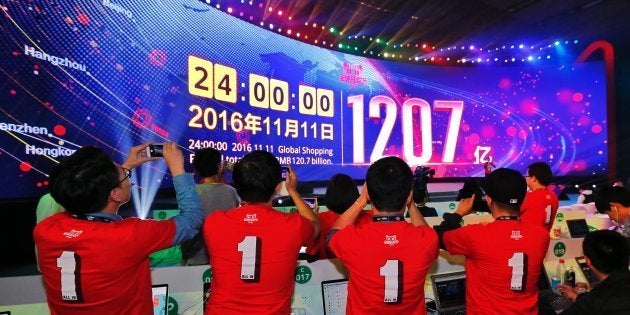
<point>389,182</point>
<point>507,188</point>
<point>608,251</point>
<point>542,171</point>
<point>82,182</point>
<point>607,194</point>
<point>256,176</point>
<point>206,162</point>
<point>341,193</point>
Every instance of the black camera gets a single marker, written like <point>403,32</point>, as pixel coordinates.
<point>421,177</point>
<point>155,150</point>
<point>423,174</point>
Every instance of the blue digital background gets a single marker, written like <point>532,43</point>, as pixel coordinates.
<point>135,89</point>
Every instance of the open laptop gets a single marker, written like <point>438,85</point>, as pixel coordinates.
<point>159,294</point>
<point>334,296</point>
<point>449,291</point>
<point>577,228</point>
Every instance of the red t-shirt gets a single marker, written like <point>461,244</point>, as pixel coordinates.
<point>327,219</point>
<point>99,267</point>
<point>253,255</point>
<point>388,264</point>
<point>539,207</point>
<point>504,259</point>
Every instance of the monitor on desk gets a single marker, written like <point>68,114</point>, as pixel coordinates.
<point>334,296</point>
<point>449,291</point>
<point>159,294</point>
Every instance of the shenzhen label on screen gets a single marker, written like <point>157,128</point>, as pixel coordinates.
<point>119,73</point>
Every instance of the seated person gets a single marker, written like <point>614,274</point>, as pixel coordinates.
<point>615,202</point>
<point>420,199</point>
<point>586,194</point>
<point>341,193</point>
<point>607,255</point>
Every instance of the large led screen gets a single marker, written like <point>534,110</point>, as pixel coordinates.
<point>115,73</point>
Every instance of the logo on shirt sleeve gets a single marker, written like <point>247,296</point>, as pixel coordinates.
<point>390,240</point>
<point>250,218</point>
<point>516,235</point>
<point>72,234</point>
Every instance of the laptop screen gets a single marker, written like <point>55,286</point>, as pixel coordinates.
<point>334,296</point>
<point>577,228</point>
<point>449,290</point>
<point>159,293</point>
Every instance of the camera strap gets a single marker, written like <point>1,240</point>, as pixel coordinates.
<point>90,218</point>
<point>506,218</point>
<point>384,218</point>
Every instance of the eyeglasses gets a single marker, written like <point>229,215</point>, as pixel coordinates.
<point>127,175</point>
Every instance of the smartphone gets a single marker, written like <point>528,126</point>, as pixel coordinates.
<point>155,150</point>
<point>591,278</point>
<point>311,202</point>
<point>285,171</point>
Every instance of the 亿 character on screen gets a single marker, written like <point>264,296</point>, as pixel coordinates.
<point>88,254</point>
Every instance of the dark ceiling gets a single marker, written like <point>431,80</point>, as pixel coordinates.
<point>487,22</point>
<point>408,24</point>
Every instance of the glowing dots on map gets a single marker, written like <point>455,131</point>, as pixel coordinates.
<point>579,165</point>
<point>596,129</point>
<point>25,167</point>
<point>528,107</point>
<point>505,84</point>
<point>511,131</point>
<point>157,58</point>
<point>59,130</point>
<point>13,92</point>
<point>83,19</point>
<point>577,97</point>
<point>488,132</point>
<point>142,118</point>
<point>564,96</point>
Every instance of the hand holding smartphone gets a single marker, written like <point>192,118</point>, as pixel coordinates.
<point>285,171</point>
<point>155,150</point>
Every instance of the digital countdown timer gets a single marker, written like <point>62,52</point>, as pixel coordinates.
<point>119,73</point>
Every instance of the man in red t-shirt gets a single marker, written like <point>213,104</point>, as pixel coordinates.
<point>541,204</point>
<point>92,260</point>
<point>341,193</point>
<point>388,259</point>
<point>504,258</point>
<point>254,248</point>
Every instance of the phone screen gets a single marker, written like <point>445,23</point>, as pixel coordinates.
<point>155,150</point>
<point>285,171</point>
<point>311,202</point>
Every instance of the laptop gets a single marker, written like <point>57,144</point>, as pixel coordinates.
<point>577,228</point>
<point>159,294</point>
<point>449,291</point>
<point>334,296</point>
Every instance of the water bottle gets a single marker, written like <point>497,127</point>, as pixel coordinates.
<point>570,277</point>
<point>561,271</point>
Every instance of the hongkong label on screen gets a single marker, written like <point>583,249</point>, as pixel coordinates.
<point>237,87</point>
